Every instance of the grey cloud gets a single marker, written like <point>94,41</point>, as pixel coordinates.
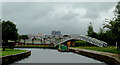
<point>94,8</point>
<point>0,10</point>
<point>41,17</point>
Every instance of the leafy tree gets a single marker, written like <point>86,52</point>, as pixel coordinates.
<point>0,33</point>
<point>114,25</point>
<point>90,31</point>
<point>24,37</point>
<point>100,34</point>
<point>112,34</point>
<point>9,32</point>
<point>33,39</point>
<point>117,12</point>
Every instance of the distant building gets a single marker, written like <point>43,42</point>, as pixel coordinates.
<point>32,36</point>
<point>58,33</point>
<point>39,34</point>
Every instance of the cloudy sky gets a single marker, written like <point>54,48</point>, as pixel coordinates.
<point>68,17</point>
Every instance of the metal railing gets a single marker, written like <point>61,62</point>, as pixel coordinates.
<point>85,38</point>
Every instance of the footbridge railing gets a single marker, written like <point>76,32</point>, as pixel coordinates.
<point>85,38</point>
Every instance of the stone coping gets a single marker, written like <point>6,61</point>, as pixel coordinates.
<point>9,59</point>
<point>109,58</point>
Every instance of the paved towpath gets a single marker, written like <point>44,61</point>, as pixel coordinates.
<point>113,55</point>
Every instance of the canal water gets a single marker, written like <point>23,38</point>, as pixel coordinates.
<point>54,56</point>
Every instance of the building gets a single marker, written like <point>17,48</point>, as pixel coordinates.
<point>40,34</point>
<point>58,33</point>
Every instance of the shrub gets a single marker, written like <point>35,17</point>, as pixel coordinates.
<point>81,43</point>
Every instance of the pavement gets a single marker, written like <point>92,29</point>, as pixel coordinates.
<point>113,55</point>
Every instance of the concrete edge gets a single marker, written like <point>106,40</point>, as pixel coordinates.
<point>39,47</point>
<point>104,58</point>
<point>9,59</point>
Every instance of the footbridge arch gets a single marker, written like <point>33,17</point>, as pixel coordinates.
<point>88,39</point>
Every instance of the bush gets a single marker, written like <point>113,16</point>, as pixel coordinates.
<point>81,43</point>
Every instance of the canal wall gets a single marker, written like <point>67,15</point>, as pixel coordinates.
<point>108,58</point>
<point>12,58</point>
<point>39,47</point>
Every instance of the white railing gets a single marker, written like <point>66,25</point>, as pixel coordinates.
<point>85,38</point>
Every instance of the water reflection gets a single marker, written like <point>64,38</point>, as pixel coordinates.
<point>53,56</point>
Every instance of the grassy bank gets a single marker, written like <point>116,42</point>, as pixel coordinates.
<point>10,52</point>
<point>103,49</point>
<point>32,46</point>
<point>82,43</point>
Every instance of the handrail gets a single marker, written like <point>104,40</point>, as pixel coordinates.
<point>85,38</point>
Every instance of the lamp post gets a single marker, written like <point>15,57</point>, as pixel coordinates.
<point>116,46</point>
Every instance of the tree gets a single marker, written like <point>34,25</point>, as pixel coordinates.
<point>9,32</point>
<point>117,12</point>
<point>90,31</point>
<point>33,39</point>
<point>24,37</point>
<point>114,25</point>
<point>0,33</point>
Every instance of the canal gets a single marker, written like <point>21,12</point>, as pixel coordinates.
<point>54,56</point>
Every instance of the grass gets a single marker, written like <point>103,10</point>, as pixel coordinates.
<point>103,49</point>
<point>81,43</point>
<point>10,52</point>
<point>33,46</point>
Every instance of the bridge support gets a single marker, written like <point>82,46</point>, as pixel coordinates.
<point>70,43</point>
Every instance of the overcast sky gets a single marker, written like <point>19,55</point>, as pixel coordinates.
<point>69,18</point>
